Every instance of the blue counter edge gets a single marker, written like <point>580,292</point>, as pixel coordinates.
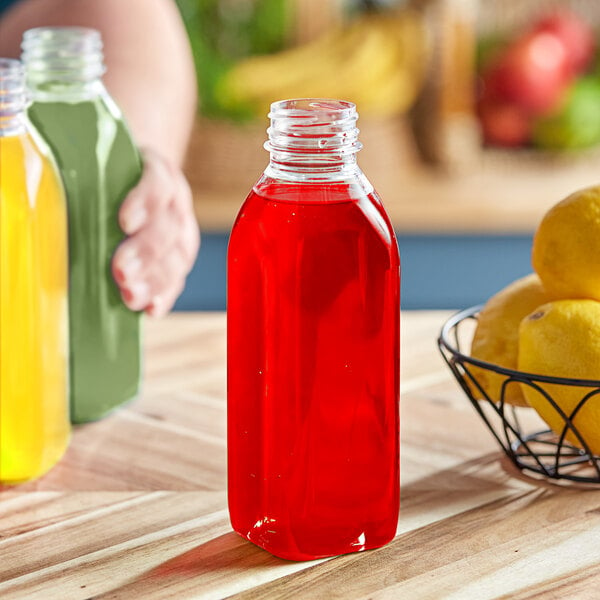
<point>438,271</point>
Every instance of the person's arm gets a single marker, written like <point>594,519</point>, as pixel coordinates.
<point>150,68</point>
<point>151,76</point>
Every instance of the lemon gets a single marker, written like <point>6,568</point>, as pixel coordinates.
<point>496,339</point>
<point>566,246</point>
<point>562,339</point>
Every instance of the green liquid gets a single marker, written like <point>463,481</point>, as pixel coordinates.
<point>99,164</point>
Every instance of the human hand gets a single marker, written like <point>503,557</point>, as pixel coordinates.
<point>151,264</point>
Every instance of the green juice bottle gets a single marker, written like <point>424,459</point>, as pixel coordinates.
<point>99,164</point>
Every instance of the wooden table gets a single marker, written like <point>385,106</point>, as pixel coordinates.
<point>137,508</point>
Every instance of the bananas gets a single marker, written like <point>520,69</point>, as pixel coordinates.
<point>377,61</point>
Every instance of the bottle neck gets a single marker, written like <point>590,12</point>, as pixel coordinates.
<point>13,98</point>
<point>63,63</point>
<point>313,140</point>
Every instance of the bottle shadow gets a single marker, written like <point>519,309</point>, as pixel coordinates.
<point>223,565</point>
<point>222,553</point>
<point>228,564</point>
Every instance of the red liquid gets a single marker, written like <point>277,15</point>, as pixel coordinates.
<point>313,358</point>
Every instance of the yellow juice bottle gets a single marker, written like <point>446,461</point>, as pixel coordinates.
<point>34,415</point>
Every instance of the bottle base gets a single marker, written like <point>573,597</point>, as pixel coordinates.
<point>47,465</point>
<point>317,553</point>
<point>82,419</point>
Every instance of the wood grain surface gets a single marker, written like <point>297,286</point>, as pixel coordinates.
<point>137,508</point>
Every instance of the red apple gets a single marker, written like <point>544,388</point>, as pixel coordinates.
<point>532,73</point>
<point>575,34</point>
<point>504,125</point>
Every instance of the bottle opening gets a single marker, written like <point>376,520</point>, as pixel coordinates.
<point>315,126</point>
<point>314,109</point>
<point>62,54</point>
<point>13,95</point>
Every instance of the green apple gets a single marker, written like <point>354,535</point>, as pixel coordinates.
<point>577,124</point>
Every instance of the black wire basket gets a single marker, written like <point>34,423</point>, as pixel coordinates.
<point>544,452</point>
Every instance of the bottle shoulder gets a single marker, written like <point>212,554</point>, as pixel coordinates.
<point>64,121</point>
<point>331,188</point>
<point>279,209</point>
<point>26,143</point>
<point>69,92</point>
<point>27,163</point>
<point>98,105</point>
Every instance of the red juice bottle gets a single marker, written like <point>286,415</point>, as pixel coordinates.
<point>313,327</point>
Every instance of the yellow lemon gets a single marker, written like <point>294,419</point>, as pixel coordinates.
<point>566,246</point>
<point>562,339</point>
<point>496,339</point>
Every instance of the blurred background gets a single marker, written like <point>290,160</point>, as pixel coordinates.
<point>476,117</point>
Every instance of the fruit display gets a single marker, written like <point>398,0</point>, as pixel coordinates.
<point>562,339</point>
<point>376,61</point>
<point>539,88</point>
<point>221,34</point>
<point>548,324</point>
<point>566,246</point>
<point>496,338</point>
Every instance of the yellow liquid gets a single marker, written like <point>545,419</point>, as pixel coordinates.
<point>34,416</point>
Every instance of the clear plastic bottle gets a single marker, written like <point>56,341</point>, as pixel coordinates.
<point>313,345</point>
<point>99,164</point>
<point>34,404</point>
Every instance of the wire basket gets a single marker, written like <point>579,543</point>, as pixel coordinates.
<point>516,429</point>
